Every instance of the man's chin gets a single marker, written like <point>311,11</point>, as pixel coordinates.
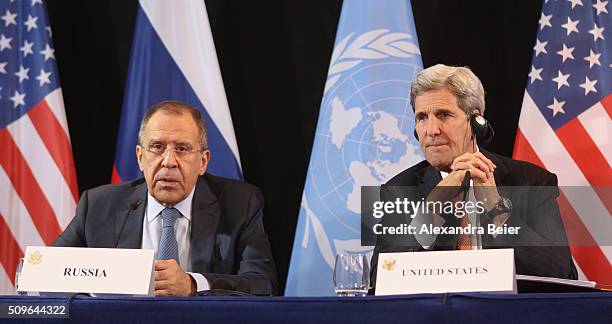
<point>440,164</point>
<point>168,197</point>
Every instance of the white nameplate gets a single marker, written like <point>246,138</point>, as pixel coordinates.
<point>86,270</point>
<point>445,271</point>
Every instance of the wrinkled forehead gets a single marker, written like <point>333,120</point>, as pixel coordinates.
<point>437,108</point>
<point>435,100</point>
<point>182,142</point>
<point>171,128</point>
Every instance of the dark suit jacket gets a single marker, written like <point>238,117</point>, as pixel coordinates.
<point>228,243</point>
<point>541,247</point>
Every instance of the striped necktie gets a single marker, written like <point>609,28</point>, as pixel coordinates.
<point>168,247</point>
<point>464,241</point>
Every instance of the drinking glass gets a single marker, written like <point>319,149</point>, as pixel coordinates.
<point>351,275</point>
<point>17,274</point>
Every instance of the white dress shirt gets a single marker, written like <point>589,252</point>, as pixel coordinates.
<point>151,232</point>
<point>473,217</point>
<point>426,239</point>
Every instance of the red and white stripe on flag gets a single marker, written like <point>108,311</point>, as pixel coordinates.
<point>38,187</point>
<point>566,124</point>
<point>580,153</point>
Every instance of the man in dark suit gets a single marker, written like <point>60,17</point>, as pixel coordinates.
<point>207,231</point>
<point>448,103</point>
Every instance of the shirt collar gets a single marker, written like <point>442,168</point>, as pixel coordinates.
<point>154,208</point>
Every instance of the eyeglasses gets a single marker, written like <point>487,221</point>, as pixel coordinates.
<point>181,151</point>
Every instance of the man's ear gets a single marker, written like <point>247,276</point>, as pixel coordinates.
<point>204,161</point>
<point>139,157</point>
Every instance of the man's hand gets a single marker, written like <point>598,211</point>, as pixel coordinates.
<point>481,170</point>
<point>171,280</point>
<point>480,167</point>
<point>485,188</point>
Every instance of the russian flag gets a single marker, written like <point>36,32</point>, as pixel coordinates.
<point>173,58</point>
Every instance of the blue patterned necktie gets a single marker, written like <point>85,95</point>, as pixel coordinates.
<point>168,247</point>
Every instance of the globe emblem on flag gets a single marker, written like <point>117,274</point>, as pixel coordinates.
<point>369,137</point>
<point>364,135</point>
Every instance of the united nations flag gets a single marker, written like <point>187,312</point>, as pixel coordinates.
<point>363,135</point>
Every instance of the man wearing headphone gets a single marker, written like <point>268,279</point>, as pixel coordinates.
<point>448,105</point>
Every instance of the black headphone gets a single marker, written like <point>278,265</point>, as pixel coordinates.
<point>481,129</point>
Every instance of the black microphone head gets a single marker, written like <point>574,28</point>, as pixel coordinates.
<point>133,207</point>
<point>135,204</point>
<point>465,186</point>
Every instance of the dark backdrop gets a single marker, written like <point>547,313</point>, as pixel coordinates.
<point>274,57</point>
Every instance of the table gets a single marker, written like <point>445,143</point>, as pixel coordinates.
<point>593,307</point>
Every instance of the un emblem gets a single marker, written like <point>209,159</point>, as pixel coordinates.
<point>363,135</point>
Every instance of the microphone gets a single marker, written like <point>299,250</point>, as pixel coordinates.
<point>133,207</point>
<point>465,186</point>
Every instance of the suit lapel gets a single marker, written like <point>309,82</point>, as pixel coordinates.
<point>501,171</point>
<point>500,174</point>
<point>503,179</point>
<point>428,178</point>
<point>204,218</point>
<point>131,236</point>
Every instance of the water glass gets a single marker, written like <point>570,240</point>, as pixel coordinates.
<point>17,274</point>
<point>351,275</point>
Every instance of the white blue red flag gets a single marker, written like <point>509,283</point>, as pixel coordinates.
<point>363,137</point>
<point>173,58</point>
<point>565,124</point>
<point>38,186</point>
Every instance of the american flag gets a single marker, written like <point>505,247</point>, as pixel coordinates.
<point>565,124</point>
<point>38,187</point>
